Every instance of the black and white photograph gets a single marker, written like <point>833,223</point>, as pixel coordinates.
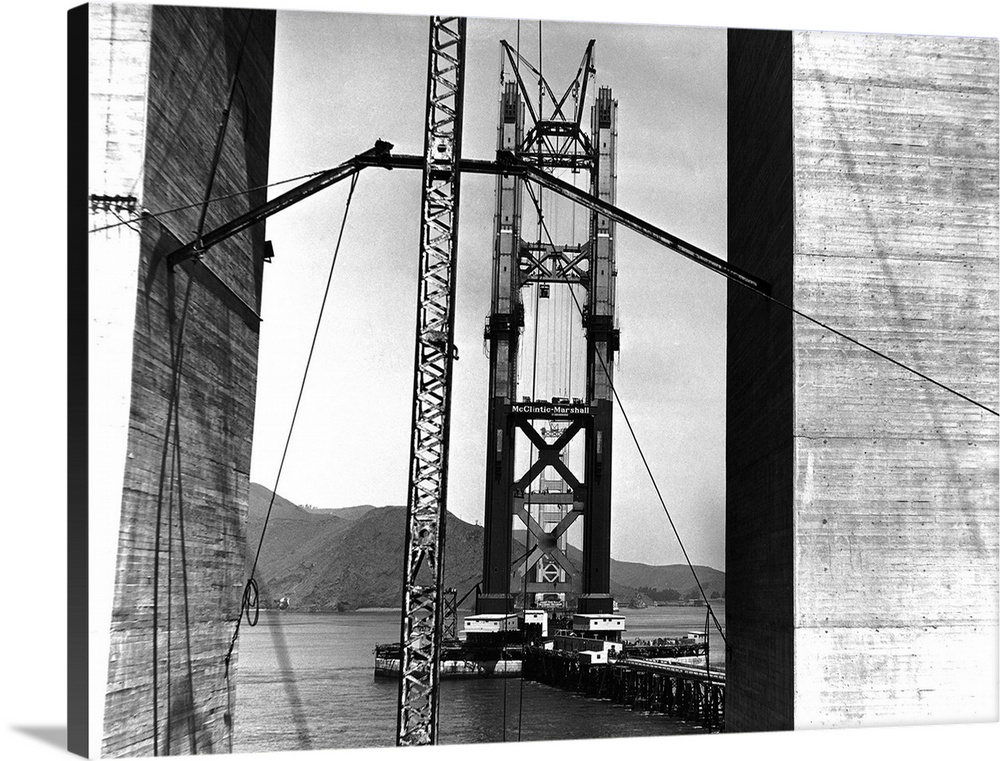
<point>475,379</point>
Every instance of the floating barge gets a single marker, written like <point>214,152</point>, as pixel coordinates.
<point>458,661</point>
<point>496,645</point>
<point>586,654</point>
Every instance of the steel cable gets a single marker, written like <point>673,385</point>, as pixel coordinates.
<point>250,594</point>
<point>645,463</point>
<point>155,215</point>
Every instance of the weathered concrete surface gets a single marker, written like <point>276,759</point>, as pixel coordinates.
<point>119,72</point>
<point>896,481</point>
<point>118,51</point>
<point>893,509</point>
<point>181,547</point>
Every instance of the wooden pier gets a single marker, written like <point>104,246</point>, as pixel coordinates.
<point>645,685</point>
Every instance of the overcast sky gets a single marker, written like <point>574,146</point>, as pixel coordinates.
<point>341,81</point>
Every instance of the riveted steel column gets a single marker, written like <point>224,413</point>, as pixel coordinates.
<point>602,343</point>
<point>502,332</point>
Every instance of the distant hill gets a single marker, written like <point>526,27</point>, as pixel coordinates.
<point>352,557</point>
<point>348,558</point>
<point>343,512</point>
<point>627,578</point>
<point>350,512</point>
<point>292,533</point>
<point>677,577</point>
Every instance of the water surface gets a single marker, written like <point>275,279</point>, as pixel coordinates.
<point>305,681</point>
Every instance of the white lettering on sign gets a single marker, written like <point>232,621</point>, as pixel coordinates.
<point>550,409</point>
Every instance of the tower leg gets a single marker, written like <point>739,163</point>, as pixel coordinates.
<point>502,334</point>
<point>496,597</point>
<point>596,597</point>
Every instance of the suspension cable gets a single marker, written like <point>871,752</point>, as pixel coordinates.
<point>177,352</point>
<point>503,649</point>
<point>805,316</point>
<point>175,463</point>
<point>876,352</point>
<point>220,137</point>
<point>175,128</point>
<point>185,207</point>
<point>537,290</point>
<point>176,359</point>
<point>692,252</point>
<point>524,639</point>
<point>649,470</point>
<point>250,591</point>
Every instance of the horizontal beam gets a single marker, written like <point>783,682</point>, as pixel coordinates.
<point>507,164</point>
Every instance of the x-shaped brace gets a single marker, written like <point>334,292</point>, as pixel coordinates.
<point>548,455</point>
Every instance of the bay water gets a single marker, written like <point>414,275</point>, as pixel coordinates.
<point>305,681</point>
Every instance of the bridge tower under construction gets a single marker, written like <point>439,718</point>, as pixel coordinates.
<point>549,435</point>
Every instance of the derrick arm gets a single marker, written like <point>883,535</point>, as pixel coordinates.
<point>374,156</point>
<point>633,222</point>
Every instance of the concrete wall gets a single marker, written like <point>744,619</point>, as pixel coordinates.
<point>895,480</point>
<point>893,504</point>
<point>181,546</point>
<point>759,409</point>
<point>118,70</point>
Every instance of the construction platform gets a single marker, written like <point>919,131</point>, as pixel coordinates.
<point>496,645</point>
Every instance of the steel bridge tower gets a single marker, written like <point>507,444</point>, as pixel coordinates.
<point>554,138</point>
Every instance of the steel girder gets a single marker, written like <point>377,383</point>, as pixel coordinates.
<point>507,164</point>
<point>423,605</point>
<point>503,333</point>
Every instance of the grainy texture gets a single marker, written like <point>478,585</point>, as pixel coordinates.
<point>117,44</point>
<point>182,543</point>
<point>895,480</point>
<point>759,414</point>
<point>894,497</point>
<point>119,69</point>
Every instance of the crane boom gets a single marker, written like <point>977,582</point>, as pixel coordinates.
<point>423,567</point>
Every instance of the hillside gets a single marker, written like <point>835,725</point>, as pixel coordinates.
<point>668,577</point>
<point>352,557</point>
<point>292,535</point>
<point>350,512</point>
<point>621,592</point>
<point>348,558</point>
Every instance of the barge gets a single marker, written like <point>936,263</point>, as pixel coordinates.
<point>495,645</point>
